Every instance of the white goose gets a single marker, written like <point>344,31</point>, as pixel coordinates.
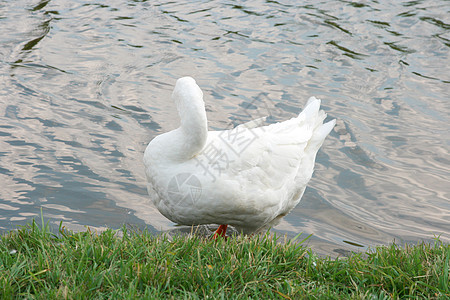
<point>249,177</point>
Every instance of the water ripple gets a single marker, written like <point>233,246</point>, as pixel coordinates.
<point>85,85</point>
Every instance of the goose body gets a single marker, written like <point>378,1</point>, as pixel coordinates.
<point>249,177</point>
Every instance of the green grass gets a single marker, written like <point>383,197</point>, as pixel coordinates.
<point>35,263</point>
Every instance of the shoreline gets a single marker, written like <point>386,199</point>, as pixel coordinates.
<point>138,264</point>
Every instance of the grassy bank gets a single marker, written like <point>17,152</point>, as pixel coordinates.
<point>37,263</point>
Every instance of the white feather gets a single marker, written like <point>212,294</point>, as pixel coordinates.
<point>249,177</point>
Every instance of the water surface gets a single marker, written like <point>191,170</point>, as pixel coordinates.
<point>85,85</point>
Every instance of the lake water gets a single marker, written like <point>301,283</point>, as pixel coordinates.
<point>85,85</point>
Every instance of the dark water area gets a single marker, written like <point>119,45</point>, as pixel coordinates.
<point>85,85</point>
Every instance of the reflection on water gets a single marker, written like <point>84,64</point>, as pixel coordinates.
<point>84,86</point>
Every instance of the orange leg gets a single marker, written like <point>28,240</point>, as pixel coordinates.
<point>221,231</point>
